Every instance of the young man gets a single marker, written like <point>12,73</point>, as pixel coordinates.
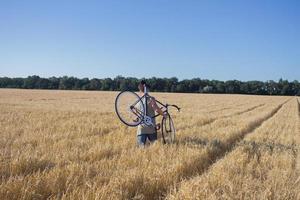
<point>144,131</point>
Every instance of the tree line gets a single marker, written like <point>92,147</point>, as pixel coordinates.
<point>119,83</point>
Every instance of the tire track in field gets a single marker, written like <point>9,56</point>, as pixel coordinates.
<point>244,111</point>
<point>241,142</point>
<point>218,150</point>
<point>215,151</point>
<point>226,108</point>
<point>210,121</point>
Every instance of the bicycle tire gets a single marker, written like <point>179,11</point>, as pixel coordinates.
<point>168,130</point>
<point>124,111</point>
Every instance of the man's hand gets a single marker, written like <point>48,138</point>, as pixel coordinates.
<point>165,115</point>
<point>157,127</point>
<point>136,120</point>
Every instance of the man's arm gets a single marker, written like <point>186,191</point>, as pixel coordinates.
<point>156,108</point>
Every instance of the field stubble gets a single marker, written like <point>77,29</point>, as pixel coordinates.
<point>70,145</point>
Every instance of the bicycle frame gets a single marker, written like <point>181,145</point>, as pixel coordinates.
<point>147,119</point>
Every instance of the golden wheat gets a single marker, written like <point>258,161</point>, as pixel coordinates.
<point>71,145</point>
<point>262,166</point>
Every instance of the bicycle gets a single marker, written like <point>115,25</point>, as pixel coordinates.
<point>132,111</point>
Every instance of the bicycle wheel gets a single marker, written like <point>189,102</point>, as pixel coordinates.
<point>129,108</point>
<point>168,130</point>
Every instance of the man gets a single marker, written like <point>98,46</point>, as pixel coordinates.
<point>144,131</point>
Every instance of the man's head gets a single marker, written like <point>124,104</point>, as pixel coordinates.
<point>142,84</point>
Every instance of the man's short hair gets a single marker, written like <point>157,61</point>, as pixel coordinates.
<point>143,82</point>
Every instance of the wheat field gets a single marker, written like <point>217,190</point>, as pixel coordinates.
<point>71,145</point>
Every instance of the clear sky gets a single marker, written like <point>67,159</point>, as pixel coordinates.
<point>224,39</point>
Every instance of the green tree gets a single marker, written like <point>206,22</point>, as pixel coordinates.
<point>95,84</point>
<point>31,82</point>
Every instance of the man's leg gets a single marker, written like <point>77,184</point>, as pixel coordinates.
<point>152,137</point>
<point>141,140</point>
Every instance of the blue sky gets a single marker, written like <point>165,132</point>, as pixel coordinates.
<point>225,39</point>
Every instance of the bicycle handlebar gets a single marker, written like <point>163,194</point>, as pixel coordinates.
<point>175,106</point>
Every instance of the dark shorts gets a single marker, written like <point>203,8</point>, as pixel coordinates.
<point>142,138</point>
